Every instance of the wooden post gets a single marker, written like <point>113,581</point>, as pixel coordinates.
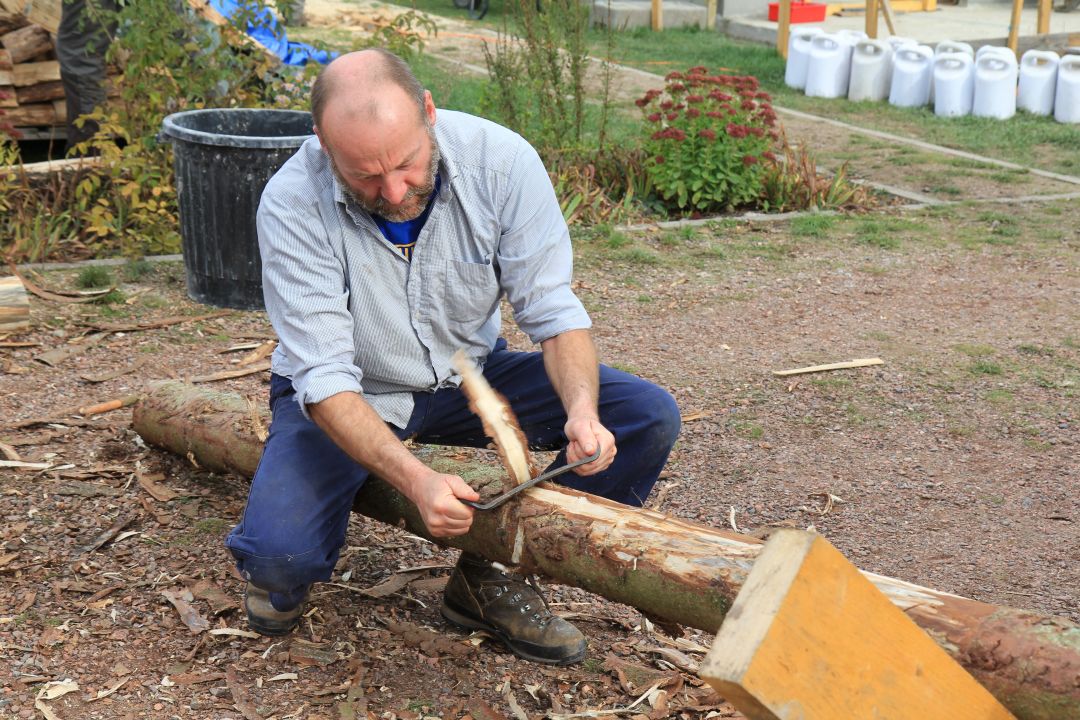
<point>783,29</point>
<point>810,637</point>
<point>710,14</point>
<point>1014,25</point>
<point>871,18</point>
<point>1043,24</point>
<point>657,15</point>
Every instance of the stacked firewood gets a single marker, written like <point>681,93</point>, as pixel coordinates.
<point>31,93</point>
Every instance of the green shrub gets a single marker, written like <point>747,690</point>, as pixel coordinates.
<point>94,276</point>
<point>706,137</point>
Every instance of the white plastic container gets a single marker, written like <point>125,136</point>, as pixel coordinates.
<point>952,47</point>
<point>1038,81</point>
<point>954,84</point>
<point>993,49</point>
<point>798,56</point>
<point>871,70</point>
<point>897,41</point>
<point>829,69</point>
<point>1067,97</point>
<point>912,72</point>
<point>853,36</point>
<point>995,86</point>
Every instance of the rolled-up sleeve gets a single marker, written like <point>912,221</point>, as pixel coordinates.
<point>535,256</point>
<point>306,295</point>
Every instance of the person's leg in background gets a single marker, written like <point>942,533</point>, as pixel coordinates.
<point>82,40</point>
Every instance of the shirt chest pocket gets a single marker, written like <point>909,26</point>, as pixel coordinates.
<point>470,290</point>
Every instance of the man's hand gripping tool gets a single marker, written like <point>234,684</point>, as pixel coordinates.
<point>500,499</point>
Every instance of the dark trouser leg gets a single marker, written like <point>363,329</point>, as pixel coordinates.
<point>642,416</point>
<point>81,43</point>
<point>298,507</point>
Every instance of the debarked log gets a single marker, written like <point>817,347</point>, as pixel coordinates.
<point>669,568</point>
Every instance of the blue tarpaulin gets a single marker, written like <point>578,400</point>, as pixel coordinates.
<point>264,28</point>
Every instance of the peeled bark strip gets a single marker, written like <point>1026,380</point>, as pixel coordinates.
<point>669,568</point>
<point>498,420</point>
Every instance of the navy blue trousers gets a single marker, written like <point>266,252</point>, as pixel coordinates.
<point>298,507</point>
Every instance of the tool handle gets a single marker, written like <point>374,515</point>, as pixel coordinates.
<point>500,499</point>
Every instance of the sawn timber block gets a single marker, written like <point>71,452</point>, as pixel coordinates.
<point>810,638</point>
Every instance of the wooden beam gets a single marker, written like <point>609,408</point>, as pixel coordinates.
<point>1043,23</point>
<point>871,18</point>
<point>1014,25</point>
<point>710,14</point>
<point>40,92</point>
<point>657,15</point>
<point>36,114</point>
<point>670,568</point>
<point>783,28</point>
<point>14,305</point>
<point>810,637</point>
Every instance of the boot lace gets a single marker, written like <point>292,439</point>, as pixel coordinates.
<point>540,616</point>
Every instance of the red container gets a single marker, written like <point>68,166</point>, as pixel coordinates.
<point>801,12</point>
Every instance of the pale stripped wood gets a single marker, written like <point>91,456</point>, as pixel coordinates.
<point>498,419</point>
<point>865,362</point>
<point>810,637</point>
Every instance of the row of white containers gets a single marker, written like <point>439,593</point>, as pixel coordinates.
<point>951,77</point>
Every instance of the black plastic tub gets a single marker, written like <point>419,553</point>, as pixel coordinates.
<point>223,159</point>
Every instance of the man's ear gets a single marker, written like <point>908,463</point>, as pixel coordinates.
<point>429,108</point>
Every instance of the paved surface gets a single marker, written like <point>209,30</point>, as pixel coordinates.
<point>978,24</point>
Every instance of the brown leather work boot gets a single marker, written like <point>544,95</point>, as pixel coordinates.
<point>481,597</point>
<point>264,618</point>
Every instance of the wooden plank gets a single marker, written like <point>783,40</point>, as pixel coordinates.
<point>36,114</point>
<point>7,94</point>
<point>657,15</point>
<point>871,18</point>
<point>26,43</point>
<point>810,637</point>
<point>40,92</point>
<point>25,74</point>
<point>710,14</point>
<point>14,305</point>
<point>5,60</point>
<point>865,362</point>
<point>887,12</point>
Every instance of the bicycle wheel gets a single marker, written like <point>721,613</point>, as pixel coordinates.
<point>478,8</point>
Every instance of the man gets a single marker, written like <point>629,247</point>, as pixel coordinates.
<point>387,243</point>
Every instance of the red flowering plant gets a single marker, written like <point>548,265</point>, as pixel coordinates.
<point>706,138</point>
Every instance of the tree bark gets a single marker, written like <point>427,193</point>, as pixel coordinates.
<point>672,569</point>
<point>14,305</point>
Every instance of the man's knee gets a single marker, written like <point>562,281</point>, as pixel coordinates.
<point>282,573</point>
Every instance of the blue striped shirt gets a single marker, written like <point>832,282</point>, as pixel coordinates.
<point>352,314</point>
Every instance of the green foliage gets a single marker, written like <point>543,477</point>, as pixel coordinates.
<point>706,136</point>
<point>136,269</point>
<point>791,182</point>
<point>538,81</point>
<point>94,276</point>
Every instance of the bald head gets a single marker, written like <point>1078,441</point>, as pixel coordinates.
<point>369,85</point>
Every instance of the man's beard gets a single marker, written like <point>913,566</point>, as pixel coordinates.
<point>416,198</point>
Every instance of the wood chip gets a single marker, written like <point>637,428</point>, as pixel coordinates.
<point>236,633</point>
<point>108,535</point>
<point>260,353</point>
<point>24,465</point>
<point>113,374</point>
<point>240,701</point>
<point>181,600</point>
<point>230,374</point>
<point>54,357</point>
<point>150,484</point>
<point>865,362</point>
